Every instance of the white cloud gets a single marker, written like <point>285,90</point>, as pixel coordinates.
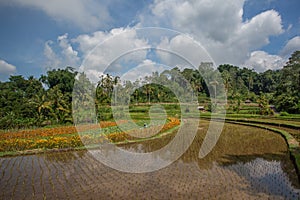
<point>289,27</point>
<point>182,51</point>
<point>88,41</point>
<point>6,69</point>
<point>291,46</point>
<point>214,19</point>
<point>145,68</point>
<point>251,36</point>
<point>119,39</point>
<point>52,58</point>
<point>88,14</point>
<point>67,56</point>
<point>67,50</point>
<point>101,49</point>
<point>262,61</point>
<point>255,33</point>
<point>93,75</point>
<point>218,26</point>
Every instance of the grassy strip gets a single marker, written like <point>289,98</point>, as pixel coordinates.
<point>293,126</point>
<point>287,125</point>
<point>39,151</point>
<point>294,117</point>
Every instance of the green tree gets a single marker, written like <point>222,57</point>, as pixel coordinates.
<point>288,90</point>
<point>15,100</point>
<point>263,104</point>
<point>60,83</point>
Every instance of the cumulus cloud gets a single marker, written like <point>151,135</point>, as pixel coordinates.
<point>52,58</point>
<point>289,27</point>
<point>200,16</point>
<point>262,61</point>
<point>113,49</point>
<point>255,33</point>
<point>182,51</point>
<point>88,14</point>
<point>6,69</point>
<point>61,56</point>
<point>291,46</point>
<point>251,36</point>
<point>88,41</point>
<point>218,26</point>
<point>67,50</point>
<point>145,68</point>
<point>115,41</point>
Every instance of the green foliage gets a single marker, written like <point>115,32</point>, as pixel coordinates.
<point>211,107</point>
<point>16,101</point>
<point>281,87</point>
<point>26,103</point>
<point>288,90</point>
<point>284,114</point>
<point>263,104</point>
<point>104,113</point>
<point>48,100</point>
<point>63,79</point>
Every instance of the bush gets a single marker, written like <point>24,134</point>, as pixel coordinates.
<point>211,107</point>
<point>104,113</point>
<point>284,113</point>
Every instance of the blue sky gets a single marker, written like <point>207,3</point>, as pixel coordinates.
<point>37,35</point>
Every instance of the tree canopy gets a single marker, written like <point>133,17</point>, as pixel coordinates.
<point>48,100</point>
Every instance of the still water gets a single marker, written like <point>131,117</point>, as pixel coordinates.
<point>243,165</point>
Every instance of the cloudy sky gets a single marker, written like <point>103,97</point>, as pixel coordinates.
<point>37,35</point>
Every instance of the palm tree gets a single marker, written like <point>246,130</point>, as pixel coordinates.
<point>116,81</point>
<point>214,84</point>
<point>42,105</point>
<point>149,90</point>
<point>61,110</point>
<point>227,79</point>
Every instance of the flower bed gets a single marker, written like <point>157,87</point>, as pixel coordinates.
<point>67,136</point>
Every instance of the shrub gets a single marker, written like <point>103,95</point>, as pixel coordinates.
<point>284,113</point>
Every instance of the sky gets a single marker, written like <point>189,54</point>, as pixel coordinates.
<point>38,35</point>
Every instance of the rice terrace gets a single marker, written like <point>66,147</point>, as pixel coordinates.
<point>257,155</point>
<point>159,99</point>
<point>247,162</point>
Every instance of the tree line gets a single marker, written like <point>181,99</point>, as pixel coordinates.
<point>27,102</point>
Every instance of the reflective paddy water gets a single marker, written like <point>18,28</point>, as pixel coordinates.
<point>243,165</point>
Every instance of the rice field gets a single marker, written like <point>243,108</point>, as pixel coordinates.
<point>246,163</point>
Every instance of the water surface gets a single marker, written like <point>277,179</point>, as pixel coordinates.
<point>245,164</point>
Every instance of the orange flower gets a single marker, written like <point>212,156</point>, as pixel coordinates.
<point>65,136</point>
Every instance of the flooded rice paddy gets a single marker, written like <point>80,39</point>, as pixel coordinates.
<point>246,163</point>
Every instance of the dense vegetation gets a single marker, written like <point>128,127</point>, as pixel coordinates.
<point>48,100</point>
